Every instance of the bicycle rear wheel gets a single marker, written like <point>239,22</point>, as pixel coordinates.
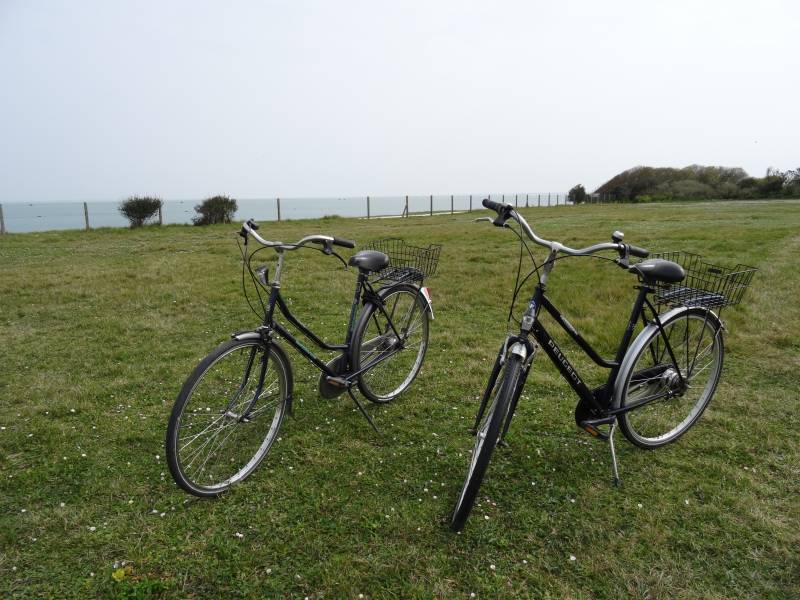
<point>391,349</point>
<point>504,387</point>
<point>227,415</point>
<point>674,387</point>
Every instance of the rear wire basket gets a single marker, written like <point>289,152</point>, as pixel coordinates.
<point>706,285</point>
<point>407,263</point>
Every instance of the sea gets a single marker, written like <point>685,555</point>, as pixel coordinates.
<point>26,217</point>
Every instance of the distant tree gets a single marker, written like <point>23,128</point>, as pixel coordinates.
<point>664,183</point>
<point>771,185</point>
<point>218,209</point>
<point>138,210</point>
<point>577,195</point>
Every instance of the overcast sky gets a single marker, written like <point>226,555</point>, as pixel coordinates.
<point>100,100</point>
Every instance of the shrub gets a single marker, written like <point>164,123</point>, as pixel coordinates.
<point>689,189</point>
<point>219,209</point>
<point>139,209</point>
<point>577,195</point>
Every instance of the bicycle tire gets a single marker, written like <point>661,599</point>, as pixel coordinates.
<point>374,341</point>
<point>245,419</point>
<point>695,337</point>
<point>489,429</point>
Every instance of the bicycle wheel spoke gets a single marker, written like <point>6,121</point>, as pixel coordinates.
<point>221,434</point>
<point>391,344</point>
<point>669,400</point>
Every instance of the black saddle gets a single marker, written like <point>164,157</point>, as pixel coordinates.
<point>369,260</point>
<point>658,269</point>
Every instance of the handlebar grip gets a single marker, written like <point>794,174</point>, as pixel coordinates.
<point>343,242</point>
<point>638,252</point>
<point>495,206</point>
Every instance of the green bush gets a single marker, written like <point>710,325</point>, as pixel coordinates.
<point>219,209</point>
<point>577,195</point>
<point>138,210</point>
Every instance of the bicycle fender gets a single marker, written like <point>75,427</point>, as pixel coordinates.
<point>642,339</point>
<point>423,291</point>
<point>426,294</point>
<point>246,335</point>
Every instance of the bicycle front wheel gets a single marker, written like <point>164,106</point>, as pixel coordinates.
<point>672,377</point>
<point>227,415</point>
<point>390,343</point>
<point>488,434</point>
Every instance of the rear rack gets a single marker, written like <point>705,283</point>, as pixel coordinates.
<point>407,263</point>
<point>706,285</point>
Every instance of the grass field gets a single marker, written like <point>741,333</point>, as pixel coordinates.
<point>100,329</point>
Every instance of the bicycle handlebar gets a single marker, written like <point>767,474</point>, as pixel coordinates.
<point>250,226</point>
<point>506,211</point>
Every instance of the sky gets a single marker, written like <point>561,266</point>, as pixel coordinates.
<point>185,99</point>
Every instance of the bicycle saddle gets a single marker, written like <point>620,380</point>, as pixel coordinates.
<point>658,269</point>
<point>369,260</point>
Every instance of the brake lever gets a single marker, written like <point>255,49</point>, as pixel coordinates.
<point>624,257</point>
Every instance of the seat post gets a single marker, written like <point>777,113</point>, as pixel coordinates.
<point>362,277</point>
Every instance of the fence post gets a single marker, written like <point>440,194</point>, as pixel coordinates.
<point>160,217</point>
<point>548,199</point>
<point>368,207</point>
<point>470,203</point>
<point>2,221</point>
<point>526,200</point>
<point>406,206</point>
<point>278,202</point>
<point>516,200</point>
<point>431,204</point>
<point>86,215</point>
<point>539,201</point>
<point>451,204</point>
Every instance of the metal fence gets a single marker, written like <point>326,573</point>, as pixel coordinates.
<point>21,217</point>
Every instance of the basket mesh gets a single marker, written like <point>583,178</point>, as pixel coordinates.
<point>705,285</point>
<point>406,262</point>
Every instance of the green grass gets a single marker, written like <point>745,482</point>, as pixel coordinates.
<point>100,329</point>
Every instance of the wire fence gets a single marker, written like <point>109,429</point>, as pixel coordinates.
<point>23,217</point>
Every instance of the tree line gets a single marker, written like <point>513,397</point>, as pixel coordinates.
<point>695,182</point>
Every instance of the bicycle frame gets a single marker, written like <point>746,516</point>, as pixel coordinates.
<point>363,290</point>
<point>598,399</point>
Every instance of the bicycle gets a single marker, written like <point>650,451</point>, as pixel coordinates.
<point>228,412</point>
<point>658,385</point>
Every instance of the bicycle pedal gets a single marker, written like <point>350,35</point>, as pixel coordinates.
<point>590,427</point>
<point>339,382</point>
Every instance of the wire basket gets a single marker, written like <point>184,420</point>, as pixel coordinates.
<point>706,285</point>
<point>406,262</point>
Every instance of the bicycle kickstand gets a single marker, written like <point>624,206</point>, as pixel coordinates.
<point>363,410</point>
<point>613,453</point>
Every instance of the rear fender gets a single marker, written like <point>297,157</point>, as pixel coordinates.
<point>644,337</point>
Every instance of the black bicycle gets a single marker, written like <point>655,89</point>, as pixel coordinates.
<point>228,413</point>
<point>657,387</point>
